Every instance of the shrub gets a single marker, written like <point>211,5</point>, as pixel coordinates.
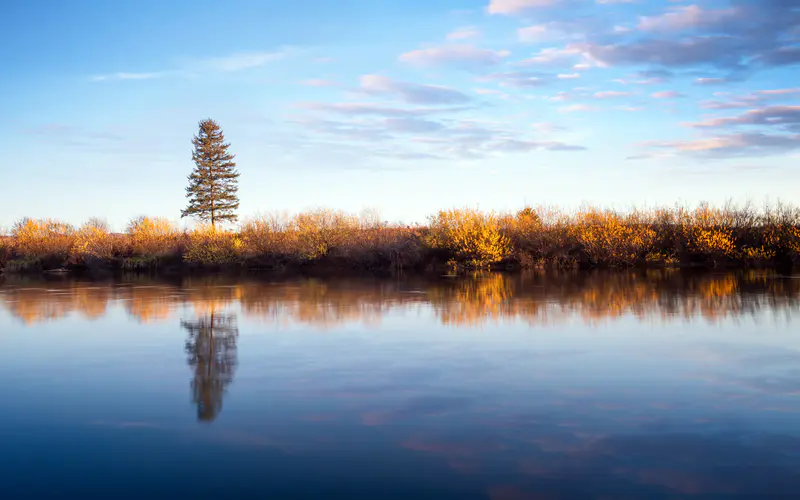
<point>6,249</point>
<point>93,240</point>
<point>319,231</point>
<point>269,235</point>
<point>783,238</point>
<point>613,239</point>
<point>152,236</point>
<point>211,246</point>
<point>472,237</point>
<point>708,232</point>
<point>43,238</point>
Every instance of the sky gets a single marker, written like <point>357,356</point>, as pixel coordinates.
<point>405,107</point>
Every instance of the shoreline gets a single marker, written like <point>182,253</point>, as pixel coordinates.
<point>342,270</point>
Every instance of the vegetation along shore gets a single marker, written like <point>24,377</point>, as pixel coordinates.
<point>453,239</point>
<point>703,236</point>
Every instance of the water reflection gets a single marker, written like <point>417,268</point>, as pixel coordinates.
<point>410,408</point>
<point>211,348</point>
<point>537,298</point>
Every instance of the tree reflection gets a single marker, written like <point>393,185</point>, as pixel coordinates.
<point>211,349</point>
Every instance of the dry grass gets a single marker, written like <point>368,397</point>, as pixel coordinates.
<point>532,237</point>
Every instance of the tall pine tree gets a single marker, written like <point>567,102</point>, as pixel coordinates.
<point>213,184</point>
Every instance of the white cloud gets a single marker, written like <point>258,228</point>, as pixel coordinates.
<point>688,17</point>
<point>370,109</point>
<point>710,81</point>
<point>234,62</point>
<point>488,91</point>
<point>534,33</point>
<point>242,60</point>
<point>574,108</point>
<point>787,117</point>
<point>456,55</point>
<point>727,146</point>
<point>318,82</point>
<point>520,79</point>
<point>552,56</point>
<point>411,92</point>
<point>667,94</point>
<point>127,76</point>
<point>511,7</point>
<point>568,76</point>
<point>464,33</point>
<point>610,94</point>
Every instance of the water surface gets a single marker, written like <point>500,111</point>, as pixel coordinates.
<point>579,385</point>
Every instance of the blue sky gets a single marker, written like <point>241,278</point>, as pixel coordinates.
<point>403,106</point>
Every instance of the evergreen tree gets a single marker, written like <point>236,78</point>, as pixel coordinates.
<point>213,184</point>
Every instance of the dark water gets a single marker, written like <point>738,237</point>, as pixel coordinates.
<point>654,385</point>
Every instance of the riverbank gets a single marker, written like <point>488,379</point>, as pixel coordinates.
<point>326,241</point>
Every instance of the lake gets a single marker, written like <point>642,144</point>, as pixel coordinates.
<point>607,385</point>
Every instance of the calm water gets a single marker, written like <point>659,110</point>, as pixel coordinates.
<point>595,385</point>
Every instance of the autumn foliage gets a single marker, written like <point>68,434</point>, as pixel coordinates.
<point>457,238</point>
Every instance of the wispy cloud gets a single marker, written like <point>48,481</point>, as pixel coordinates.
<point>535,33</point>
<point>575,108</point>
<point>242,60</point>
<point>610,94</point>
<point>126,76</point>
<point>465,56</point>
<point>355,109</point>
<point>667,94</point>
<point>231,63</point>
<point>728,146</point>
<point>464,33</point>
<point>412,93</point>
<point>318,82</point>
<point>786,117</point>
<point>520,79</point>
<point>512,7</point>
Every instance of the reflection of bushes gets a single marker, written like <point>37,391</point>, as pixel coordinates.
<point>540,297</point>
<point>466,238</point>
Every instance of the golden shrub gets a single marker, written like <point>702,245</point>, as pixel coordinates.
<point>43,238</point>
<point>610,238</point>
<point>212,246</point>
<point>708,231</point>
<point>93,240</point>
<point>473,237</point>
<point>321,230</point>
<point>712,241</point>
<point>268,235</point>
<point>152,236</point>
<point>757,254</point>
<point>783,237</point>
